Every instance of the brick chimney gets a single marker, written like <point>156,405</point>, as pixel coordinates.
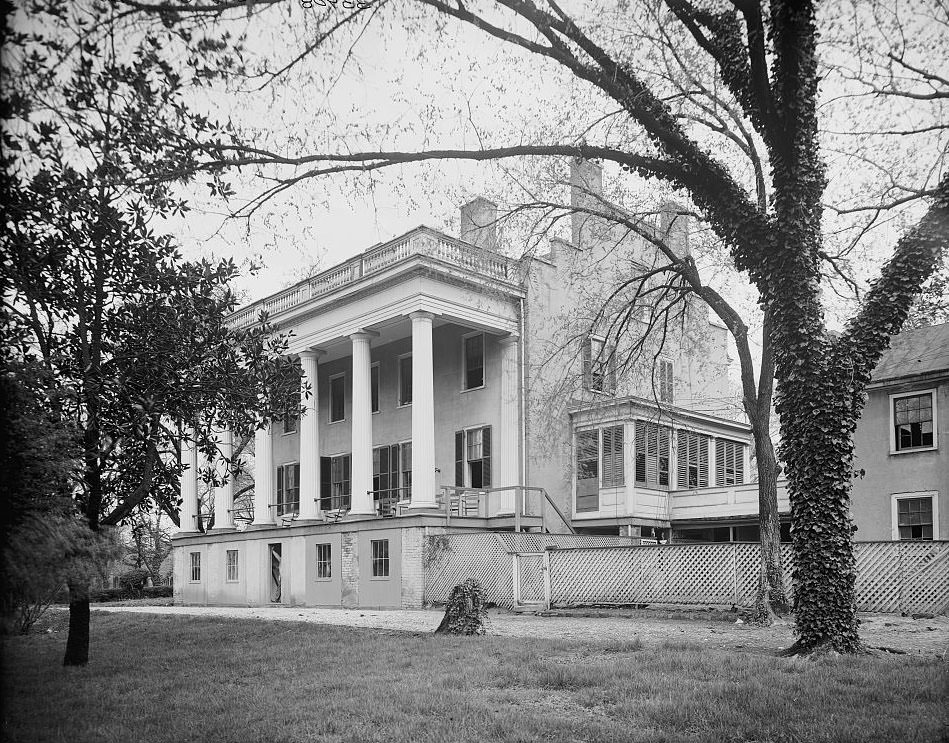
<point>674,227</point>
<point>479,221</point>
<point>586,183</point>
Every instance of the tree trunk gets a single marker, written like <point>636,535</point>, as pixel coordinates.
<point>771,599</point>
<point>77,644</point>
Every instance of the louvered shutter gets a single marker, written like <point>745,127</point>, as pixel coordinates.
<point>662,455</point>
<point>640,452</point>
<point>326,483</point>
<point>719,462</point>
<point>460,459</point>
<point>682,460</point>
<point>588,363</point>
<point>739,464</point>
<point>703,461</point>
<point>486,457</point>
<point>280,490</point>
<point>606,451</point>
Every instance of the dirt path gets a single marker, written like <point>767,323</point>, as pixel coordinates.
<point>902,634</point>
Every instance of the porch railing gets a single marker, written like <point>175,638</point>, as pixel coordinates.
<point>420,242</point>
<point>515,500</point>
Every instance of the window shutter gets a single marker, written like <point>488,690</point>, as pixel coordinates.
<point>325,483</point>
<point>611,373</point>
<point>682,460</point>
<point>739,464</point>
<point>640,452</point>
<point>280,488</point>
<point>486,457</point>
<point>719,462</point>
<point>662,455</point>
<point>703,461</point>
<point>460,459</point>
<point>587,363</point>
<point>607,455</point>
<point>652,455</point>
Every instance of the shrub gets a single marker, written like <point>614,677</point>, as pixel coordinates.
<point>465,613</point>
<point>155,592</point>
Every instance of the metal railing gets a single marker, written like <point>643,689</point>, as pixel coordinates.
<point>422,241</point>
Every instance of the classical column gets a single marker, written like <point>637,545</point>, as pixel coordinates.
<point>361,498</point>
<point>309,438</point>
<point>263,477</point>
<point>423,413</point>
<point>508,438</point>
<point>188,515</point>
<point>224,495</point>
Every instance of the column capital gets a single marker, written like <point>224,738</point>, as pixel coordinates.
<point>312,353</point>
<point>421,315</point>
<point>361,335</point>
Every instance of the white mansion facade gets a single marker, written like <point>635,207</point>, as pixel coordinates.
<point>453,388</point>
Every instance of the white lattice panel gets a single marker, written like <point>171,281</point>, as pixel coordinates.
<point>925,584</point>
<point>478,555</point>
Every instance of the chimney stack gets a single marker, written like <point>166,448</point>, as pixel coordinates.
<point>479,219</point>
<point>674,227</point>
<point>586,184</point>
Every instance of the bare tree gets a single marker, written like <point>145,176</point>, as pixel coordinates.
<point>765,58</point>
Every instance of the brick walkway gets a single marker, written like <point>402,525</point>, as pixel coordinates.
<point>922,636</point>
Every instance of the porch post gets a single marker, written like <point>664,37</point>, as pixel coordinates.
<point>509,440</point>
<point>263,477</point>
<point>361,498</point>
<point>188,515</point>
<point>224,495</point>
<point>423,413</point>
<point>309,438</point>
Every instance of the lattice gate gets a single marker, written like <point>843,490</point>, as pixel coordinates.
<point>531,573</point>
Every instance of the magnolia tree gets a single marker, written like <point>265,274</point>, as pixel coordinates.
<point>799,82</point>
<point>133,339</point>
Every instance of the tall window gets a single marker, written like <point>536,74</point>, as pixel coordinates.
<point>612,451</point>
<point>913,421</point>
<point>599,367</point>
<point>290,422</point>
<point>588,472</point>
<point>405,464</point>
<point>335,482</point>
<point>914,518</point>
<point>666,386</point>
<point>288,489</point>
<point>652,454</point>
<point>385,478</point>
<point>473,458</point>
<point>324,561</point>
<point>474,361</point>
<point>729,463</point>
<point>693,460</point>
<point>374,387</point>
<point>195,567</point>
<point>337,398</point>
<point>380,558</point>
<point>231,566</point>
<point>405,380</point>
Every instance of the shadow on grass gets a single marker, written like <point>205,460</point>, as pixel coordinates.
<point>159,678</point>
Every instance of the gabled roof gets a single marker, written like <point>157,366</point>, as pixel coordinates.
<point>914,352</point>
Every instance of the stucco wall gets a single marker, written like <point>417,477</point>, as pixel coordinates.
<point>888,473</point>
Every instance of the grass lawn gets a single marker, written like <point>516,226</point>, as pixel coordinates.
<point>156,678</point>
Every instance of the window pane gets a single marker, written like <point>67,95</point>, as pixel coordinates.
<point>405,380</point>
<point>474,361</point>
<point>337,398</point>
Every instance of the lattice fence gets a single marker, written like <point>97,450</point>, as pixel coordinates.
<point>487,557</point>
<point>587,569</point>
<point>891,576</point>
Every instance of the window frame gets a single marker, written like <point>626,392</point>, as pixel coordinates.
<point>294,421</point>
<point>933,495</point>
<point>327,562</point>
<point>892,420</point>
<point>378,561</point>
<point>593,366</point>
<point>401,360</point>
<point>280,468</point>
<point>661,429</point>
<point>329,384</point>
<point>685,462</point>
<point>466,463</point>
<point>228,565</point>
<point>464,361</point>
<point>620,453</point>
<point>742,449</point>
<point>195,567</point>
